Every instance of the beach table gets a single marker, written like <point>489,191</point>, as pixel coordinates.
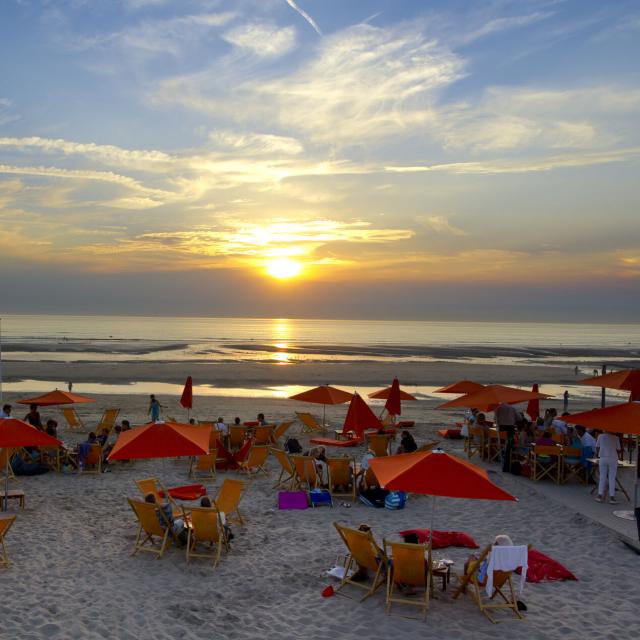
<point>622,464</point>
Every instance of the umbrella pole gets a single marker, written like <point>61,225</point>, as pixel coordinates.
<point>324,414</point>
<point>6,483</point>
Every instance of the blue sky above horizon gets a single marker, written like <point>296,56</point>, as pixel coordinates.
<point>412,149</point>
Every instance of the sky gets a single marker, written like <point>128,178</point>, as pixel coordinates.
<point>321,158</point>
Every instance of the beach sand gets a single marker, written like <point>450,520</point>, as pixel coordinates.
<point>72,575</point>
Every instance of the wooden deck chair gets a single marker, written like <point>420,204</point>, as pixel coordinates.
<point>93,459</point>
<point>237,435</point>
<point>214,438</point>
<point>255,460</point>
<point>151,485</point>
<point>496,445</point>
<point>51,456</point>
<point>229,497</point>
<point>364,553</point>
<point>73,419</point>
<point>309,423</point>
<point>572,465</point>
<point>280,430</point>
<point>306,471</point>
<point>206,529</point>
<point>5,525</point>
<point>546,461</point>
<point>3,463</point>
<point>341,479</point>
<point>471,573</point>
<point>368,479</point>
<point>409,564</point>
<point>204,466</point>
<point>379,443</point>
<point>150,528</point>
<point>262,434</point>
<point>502,583</point>
<point>287,470</point>
<point>477,443</point>
<point>108,420</point>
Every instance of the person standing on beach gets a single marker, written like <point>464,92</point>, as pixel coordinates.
<point>607,450</point>
<point>506,417</point>
<point>154,408</point>
<point>565,401</point>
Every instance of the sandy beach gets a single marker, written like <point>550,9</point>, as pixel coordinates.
<point>72,576</point>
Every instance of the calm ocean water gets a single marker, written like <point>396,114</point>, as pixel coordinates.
<point>97,338</point>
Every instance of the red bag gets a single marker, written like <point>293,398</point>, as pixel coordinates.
<point>443,539</point>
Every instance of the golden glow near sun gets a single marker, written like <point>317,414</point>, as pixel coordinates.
<point>284,268</point>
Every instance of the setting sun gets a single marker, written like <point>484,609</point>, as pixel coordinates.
<point>284,268</point>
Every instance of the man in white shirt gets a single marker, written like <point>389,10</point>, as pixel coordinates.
<point>607,449</point>
<point>222,427</point>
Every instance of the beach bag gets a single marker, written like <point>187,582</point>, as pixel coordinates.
<point>292,500</point>
<point>373,497</point>
<point>319,497</point>
<point>292,446</point>
<point>395,500</point>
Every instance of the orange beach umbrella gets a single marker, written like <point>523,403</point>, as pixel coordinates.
<point>625,380</point>
<point>17,433</point>
<point>161,440</point>
<point>618,418</point>
<point>462,386</point>
<point>360,417</point>
<point>324,394</point>
<point>56,397</point>
<point>489,397</point>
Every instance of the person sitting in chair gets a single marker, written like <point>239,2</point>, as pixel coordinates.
<point>165,517</point>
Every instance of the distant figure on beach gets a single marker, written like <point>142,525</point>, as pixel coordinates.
<point>261,419</point>
<point>595,373</point>
<point>576,370</point>
<point>70,386</point>
<point>154,408</point>
<point>565,401</point>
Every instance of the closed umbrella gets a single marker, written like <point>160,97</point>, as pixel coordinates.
<point>186,400</point>
<point>56,397</point>
<point>17,433</point>
<point>533,406</point>
<point>359,417</point>
<point>324,395</point>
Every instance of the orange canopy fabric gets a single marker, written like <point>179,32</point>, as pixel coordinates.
<point>462,386</point>
<point>618,418</point>
<point>436,473</point>
<point>360,417</point>
<point>489,397</point>
<point>56,397</point>
<point>161,440</point>
<point>533,407</point>
<point>17,433</point>
<point>186,400</point>
<point>324,394</point>
<point>383,394</point>
<point>626,380</point>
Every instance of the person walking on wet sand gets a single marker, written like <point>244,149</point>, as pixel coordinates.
<point>154,408</point>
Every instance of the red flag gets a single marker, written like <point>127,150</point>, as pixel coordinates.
<point>359,417</point>
<point>187,394</point>
<point>392,405</point>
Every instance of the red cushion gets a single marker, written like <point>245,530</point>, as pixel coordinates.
<point>442,539</point>
<point>331,442</point>
<point>251,423</point>
<point>543,568</point>
<point>404,424</point>
<point>188,492</point>
<point>454,434</point>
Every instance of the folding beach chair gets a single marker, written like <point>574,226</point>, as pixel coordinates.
<point>379,443</point>
<point>309,423</point>
<point>108,420</point>
<point>204,466</point>
<point>237,435</point>
<point>93,460</point>
<point>73,419</point>
<point>477,443</point>
<point>341,478</point>
<point>150,530</point>
<point>262,434</point>
<point>409,564</point>
<point>206,529</point>
<point>497,582</point>
<point>255,460</point>
<point>5,525</point>
<point>546,461</point>
<point>572,465</point>
<point>306,472</point>
<point>228,499</point>
<point>152,485</point>
<point>364,553</point>
<point>287,470</point>
<point>280,430</point>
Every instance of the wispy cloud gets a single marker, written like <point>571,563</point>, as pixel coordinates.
<point>305,15</point>
<point>262,39</point>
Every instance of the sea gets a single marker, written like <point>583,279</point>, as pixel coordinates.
<point>287,341</point>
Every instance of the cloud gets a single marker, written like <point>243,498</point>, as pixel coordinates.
<point>498,25</point>
<point>441,225</point>
<point>262,40</point>
<point>5,115</point>
<point>305,15</point>
<point>256,143</point>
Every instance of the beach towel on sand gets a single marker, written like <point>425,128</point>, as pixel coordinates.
<point>443,539</point>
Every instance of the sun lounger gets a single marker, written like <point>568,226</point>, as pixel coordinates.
<point>73,419</point>
<point>309,423</point>
<point>206,529</point>
<point>409,566</point>
<point>341,478</point>
<point>379,443</point>
<point>306,472</point>
<point>280,431</point>
<point>255,460</point>
<point>228,499</point>
<point>204,466</point>
<point>364,555</point>
<point>150,529</point>
<point>262,434</point>
<point>108,420</point>
<point>5,525</point>
<point>151,485</point>
<point>287,473</point>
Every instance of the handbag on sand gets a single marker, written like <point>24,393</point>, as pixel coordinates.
<point>292,500</point>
